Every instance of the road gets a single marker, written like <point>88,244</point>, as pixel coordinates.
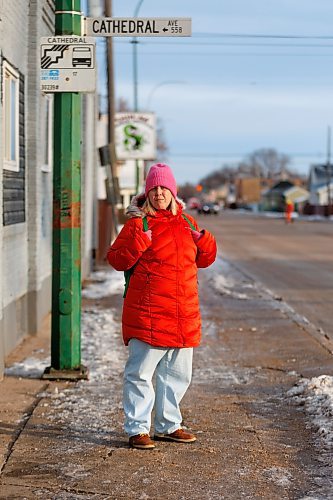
<point>294,261</point>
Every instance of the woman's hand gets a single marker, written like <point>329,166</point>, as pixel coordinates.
<point>148,233</point>
<point>196,235</point>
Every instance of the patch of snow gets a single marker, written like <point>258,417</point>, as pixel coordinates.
<point>226,286</point>
<point>227,376</point>
<point>272,215</point>
<point>279,476</point>
<point>28,368</point>
<point>102,348</point>
<point>316,395</point>
<point>104,283</point>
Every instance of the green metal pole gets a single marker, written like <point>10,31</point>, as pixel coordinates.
<point>66,256</point>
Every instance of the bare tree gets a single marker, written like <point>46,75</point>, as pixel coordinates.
<point>187,191</point>
<point>226,174</point>
<point>266,162</point>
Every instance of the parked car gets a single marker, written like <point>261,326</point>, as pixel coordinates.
<point>193,203</point>
<point>208,208</point>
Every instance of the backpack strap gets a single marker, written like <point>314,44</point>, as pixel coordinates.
<point>189,222</point>
<point>145,223</point>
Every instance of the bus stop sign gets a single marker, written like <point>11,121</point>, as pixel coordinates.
<point>67,64</point>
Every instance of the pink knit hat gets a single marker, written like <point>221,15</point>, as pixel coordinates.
<point>161,175</point>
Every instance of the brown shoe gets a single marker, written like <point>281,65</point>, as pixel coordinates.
<point>179,436</point>
<point>141,441</point>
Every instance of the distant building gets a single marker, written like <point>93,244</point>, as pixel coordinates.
<point>320,186</point>
<point>275,198</point>
<point>248,190</point>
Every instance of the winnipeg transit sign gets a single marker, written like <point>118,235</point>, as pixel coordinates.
<point>120,26</point>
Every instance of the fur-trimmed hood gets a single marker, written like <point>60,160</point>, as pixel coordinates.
<point>135,208</point>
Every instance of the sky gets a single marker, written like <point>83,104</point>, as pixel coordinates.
<point>254,74</point>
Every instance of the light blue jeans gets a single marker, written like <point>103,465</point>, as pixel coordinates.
<point>173,367</point>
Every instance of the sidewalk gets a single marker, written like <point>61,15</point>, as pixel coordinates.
<point>254,404</point>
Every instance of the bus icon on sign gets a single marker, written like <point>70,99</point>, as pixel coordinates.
<point>81,57</point>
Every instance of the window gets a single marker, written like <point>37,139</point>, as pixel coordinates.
<point>11,117</point>
<point>47,140</point>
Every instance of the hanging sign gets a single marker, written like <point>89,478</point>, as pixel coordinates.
<point>135,136</point>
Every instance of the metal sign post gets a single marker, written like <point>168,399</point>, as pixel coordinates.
<point>66,255</point>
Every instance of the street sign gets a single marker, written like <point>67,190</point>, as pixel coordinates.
<point>68,64</point>
<point>135,136</point>
<point>144,26</point>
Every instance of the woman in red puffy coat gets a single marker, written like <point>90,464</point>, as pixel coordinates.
<point>161,318</point>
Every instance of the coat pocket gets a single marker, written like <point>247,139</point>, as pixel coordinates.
<point>145,295</point>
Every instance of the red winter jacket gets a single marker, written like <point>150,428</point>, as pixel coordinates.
<point>162,306</point>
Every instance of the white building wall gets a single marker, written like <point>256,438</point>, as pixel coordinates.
<point>25,247</point>
<point>14,248</point>
<point>39,182</point>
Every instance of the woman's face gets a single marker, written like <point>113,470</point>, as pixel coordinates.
<point>160,197</point>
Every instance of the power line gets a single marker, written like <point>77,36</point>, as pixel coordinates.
<point>230,44</point>
<point>230,54</point>
<point>259,35</point>
<point>242,35</point>
<point>238,155</point>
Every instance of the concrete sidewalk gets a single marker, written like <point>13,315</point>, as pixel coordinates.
<point>65,440</point>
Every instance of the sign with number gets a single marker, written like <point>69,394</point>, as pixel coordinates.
<point>135,136</point>
<point>144,26</point>
<point>67,64</point>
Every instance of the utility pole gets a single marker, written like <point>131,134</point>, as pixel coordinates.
<point>66,253</point>
<point>111,115</point>
<point>328,172</point>
<point>135,88</point>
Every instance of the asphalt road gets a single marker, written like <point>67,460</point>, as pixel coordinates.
<point>294,261</point>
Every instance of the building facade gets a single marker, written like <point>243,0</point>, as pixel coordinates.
<point>26,149</point>
<point>320,186</point>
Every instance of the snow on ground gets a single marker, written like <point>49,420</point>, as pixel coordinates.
<point>226,286</point>
<point>316,396</point>
<point>228,281</point>
<point>90,404</point>
<point>103,284</point>
<point>278,475</point>
<point>281,215</point>
<point>28,368</point>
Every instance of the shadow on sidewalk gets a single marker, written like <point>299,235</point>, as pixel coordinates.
<point>59,433</point>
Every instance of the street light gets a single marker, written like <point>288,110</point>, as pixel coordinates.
<point>168,82</point>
